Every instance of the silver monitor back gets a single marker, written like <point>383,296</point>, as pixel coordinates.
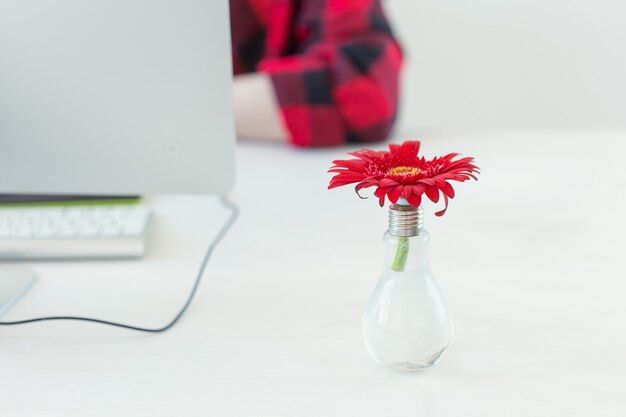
<point>115,97</point>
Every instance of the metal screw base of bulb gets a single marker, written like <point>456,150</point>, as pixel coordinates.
<point>406,220</point>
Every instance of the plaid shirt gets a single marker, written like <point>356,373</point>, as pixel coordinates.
<point>334,65</point>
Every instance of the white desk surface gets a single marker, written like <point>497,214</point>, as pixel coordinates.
<point>531,258</point>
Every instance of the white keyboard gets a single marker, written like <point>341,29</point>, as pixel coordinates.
<point>98,231</point>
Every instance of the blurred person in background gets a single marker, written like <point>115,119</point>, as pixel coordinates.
<point>314,72</point>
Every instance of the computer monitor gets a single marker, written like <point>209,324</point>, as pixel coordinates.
<point>115,97</point>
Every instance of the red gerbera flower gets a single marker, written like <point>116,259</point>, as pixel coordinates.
<point>401,173</point>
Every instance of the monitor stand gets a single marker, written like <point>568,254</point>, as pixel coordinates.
<point>14,283</point>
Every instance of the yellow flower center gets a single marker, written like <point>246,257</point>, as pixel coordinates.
<point>403,171</point>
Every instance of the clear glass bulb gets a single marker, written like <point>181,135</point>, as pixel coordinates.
<point>406,325</point>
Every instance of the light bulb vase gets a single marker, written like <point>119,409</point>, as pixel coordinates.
<point>406,325</point>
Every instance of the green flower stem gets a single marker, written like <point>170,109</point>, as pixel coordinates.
<point>401,254</point>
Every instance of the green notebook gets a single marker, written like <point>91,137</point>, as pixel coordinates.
<point>64,200</point>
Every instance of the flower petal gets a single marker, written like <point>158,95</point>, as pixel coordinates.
<point>415,200</point>
<point>351,165</point>
<point>394,149</point>
<point>427,181</point>
<point>381,193</point>
<point>442,212</point>
<point>361,185</point>
<point>447,189</point>
<point>395,193</point>
<point>387,182</point>
<point>410,149</point>
<point>345,178</point>
<point>433,194</point>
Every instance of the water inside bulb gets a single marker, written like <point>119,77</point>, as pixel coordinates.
<point>406,325</point>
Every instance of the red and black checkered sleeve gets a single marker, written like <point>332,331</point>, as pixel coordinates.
<point>341,83</point>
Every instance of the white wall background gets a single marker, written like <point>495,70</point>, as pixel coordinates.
<point>512,63</point>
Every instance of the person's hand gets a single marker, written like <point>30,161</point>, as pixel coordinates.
<point>257,115</point>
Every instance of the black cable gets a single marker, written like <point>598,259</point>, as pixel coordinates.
<point>225,228</point>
